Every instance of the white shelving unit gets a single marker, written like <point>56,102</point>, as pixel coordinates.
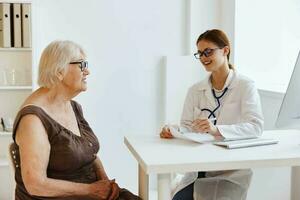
<point>15,49</point>
<point>5,133</point>
<point>16,84</point>
<point>15,87</point>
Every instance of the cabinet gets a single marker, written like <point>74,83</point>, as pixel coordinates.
<point>15,85</point>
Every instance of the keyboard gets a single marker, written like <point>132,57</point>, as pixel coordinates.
<point>246,143</point>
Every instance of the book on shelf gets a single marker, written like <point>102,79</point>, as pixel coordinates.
<point>17,34</point>
<point>5,28</point>
<point>26,25</point>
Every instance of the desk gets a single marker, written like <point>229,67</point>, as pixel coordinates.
<point>166,156</point>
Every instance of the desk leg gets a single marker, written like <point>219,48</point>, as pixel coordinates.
<point>295,183</point>
<point>164,186</point>
<point>143,184</point>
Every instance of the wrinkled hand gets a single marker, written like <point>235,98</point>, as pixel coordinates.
<point>115,190</point>
<point>204,126</point>
<point>100,190</point>
<point>166,133</point>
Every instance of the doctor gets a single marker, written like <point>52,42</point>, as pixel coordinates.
<point>226,105</point>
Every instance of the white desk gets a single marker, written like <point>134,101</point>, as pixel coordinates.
<point>163,157</point>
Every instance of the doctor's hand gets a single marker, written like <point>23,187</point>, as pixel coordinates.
<point>166,133</point>
<point>204,126</point>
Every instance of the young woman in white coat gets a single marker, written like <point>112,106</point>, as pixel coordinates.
<point>226,105</point>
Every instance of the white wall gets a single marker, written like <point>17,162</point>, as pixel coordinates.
<point>267,40</point>
<point>204,15</point>
<point>125,42</point>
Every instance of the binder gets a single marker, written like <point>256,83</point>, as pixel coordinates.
<point>26,25</point>
<point>5,32</point>
<point>17,37</point>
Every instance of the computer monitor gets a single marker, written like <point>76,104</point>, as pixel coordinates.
<point>289,114</point>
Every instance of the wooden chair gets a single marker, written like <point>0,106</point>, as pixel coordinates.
<point>12,164</point>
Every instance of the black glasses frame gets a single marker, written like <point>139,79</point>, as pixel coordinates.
<point>83,64</point>
<point>207,52</point>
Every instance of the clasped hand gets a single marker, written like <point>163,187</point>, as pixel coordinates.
<point>106,190</point>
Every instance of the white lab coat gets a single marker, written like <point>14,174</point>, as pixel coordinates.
<point>239,116</point>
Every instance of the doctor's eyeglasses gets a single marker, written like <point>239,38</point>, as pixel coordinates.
<point>83,64</point>
<point>207,52</point>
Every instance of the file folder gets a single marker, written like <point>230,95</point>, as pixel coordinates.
<point>5,34</point>
<point>17,37</point>
<point>26,25</point>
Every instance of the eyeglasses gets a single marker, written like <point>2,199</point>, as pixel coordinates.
<point>207,52</point>
<point>83,64</point>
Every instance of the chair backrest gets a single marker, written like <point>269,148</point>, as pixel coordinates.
<point>12,164</point>
<point>12,155</point>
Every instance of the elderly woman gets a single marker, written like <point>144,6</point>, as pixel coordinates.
<point>56,148</point>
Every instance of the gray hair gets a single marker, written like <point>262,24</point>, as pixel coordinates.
<point>55,59</point>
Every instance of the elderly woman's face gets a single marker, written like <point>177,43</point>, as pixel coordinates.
<point>75,77</point>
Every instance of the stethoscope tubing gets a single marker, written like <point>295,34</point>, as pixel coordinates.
<point>212,112</point>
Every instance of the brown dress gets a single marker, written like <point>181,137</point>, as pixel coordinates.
<point>71,156</point>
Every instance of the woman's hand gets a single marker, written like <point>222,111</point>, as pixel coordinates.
<point>101,190</point>
<point>166,133</point>
<point>205,126</point>
<point>115,190</point>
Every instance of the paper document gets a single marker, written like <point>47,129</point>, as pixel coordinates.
<point>246,143</point>
<point>192,136</point>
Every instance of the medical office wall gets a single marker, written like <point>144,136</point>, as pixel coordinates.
<point>267,40</point>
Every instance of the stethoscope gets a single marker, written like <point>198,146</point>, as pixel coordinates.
<point>212,112</point>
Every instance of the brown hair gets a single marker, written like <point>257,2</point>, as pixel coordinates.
<point>217,37</point>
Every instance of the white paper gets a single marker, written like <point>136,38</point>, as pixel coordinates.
<point>196,137</point>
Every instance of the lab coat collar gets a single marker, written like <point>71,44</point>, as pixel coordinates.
<point>231,81</point>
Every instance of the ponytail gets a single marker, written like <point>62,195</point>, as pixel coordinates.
<point>229,64</point>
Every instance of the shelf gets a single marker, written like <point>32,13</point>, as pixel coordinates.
<point>15,87</point>
<point>15,1</point>
<point>15,49</point>
<point>4,133</point>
